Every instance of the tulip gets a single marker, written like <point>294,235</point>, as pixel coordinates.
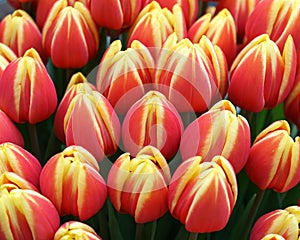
<point>203,194</point>
<point>71,180</point>
<point>154,121</point>
<point>11,178</point>
<point>9,132</point>
<point>220,131</point>
<point>14,158</point>
<point>274,74</point>
<point>76,230</point>
<point>192,76</point>
<point>77,84</point>
<point>273,237</point>
<point>19,31</point>
<point>138,186</point>
<point>22,3</point>
<point>280,222</point>
<point>66,27</point>
<point>280,171</point>
<point>124,11</point>
<point>220,30</point>
<point>154,24</point>
<point>27,93</point>
<point>189,8</point>
<point>124,76</point>
<point>26,214</point>
<point>92,123</point>
<point>6,56</point>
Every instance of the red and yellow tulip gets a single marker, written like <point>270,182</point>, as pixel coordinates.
<point>6,56</point>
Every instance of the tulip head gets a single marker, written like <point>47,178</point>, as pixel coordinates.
<point>274,74</point>
<point>203,194</point>
<point>138,186</point>
<point>154,121</point>
<point>280,170</point>
<point>6,56</point>
<point>70,36</point>
<point>71,180</point>
<point>125,76</point>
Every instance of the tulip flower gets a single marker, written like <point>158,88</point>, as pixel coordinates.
<point>27,93</point>
<point>138,186</point>
<point>192,76</point>
<point>14,158</point>
<point>154,24</point>
<point>71,180</point>
<point>11,178</point>
<point>77,84</point>
<point>240,11</point>
<point>9,132</point>
<point>20,32</point>
<point>26,214</point>
<point>273,237</point>
<point>189,8</point>
<point>76,230</point>
<point>203,194</point>
<point>20,3</point>
<point>274,74</point>
<point>220,131</point>
<point>280,222</point>
<point>154,121</point>
<point>220,30</point>
<point>92,123</point>
<point>124,11</point>
<point>6,56</point>
<point>280,171</point>
<point>70,36</point>
<point>124,76</point>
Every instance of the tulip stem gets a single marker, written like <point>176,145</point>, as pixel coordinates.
<point>34,141</point>
<point>139,231</point>
<point>193,236</point>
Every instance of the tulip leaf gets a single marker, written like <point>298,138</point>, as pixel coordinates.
<point>114,228</point>
<point>167,227</point>
<point>150,230</point>
<point>182,234</point>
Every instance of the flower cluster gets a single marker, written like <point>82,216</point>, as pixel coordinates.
<point>141,119</point>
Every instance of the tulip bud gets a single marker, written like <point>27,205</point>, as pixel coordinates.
<point>274,74</point>
<point>278,222</point>
<point>220,131</point>
<point>281,170</point>
<point>203,194</point>
<point>26,214</point>
<point>6,56</point>
<point>220,30</point>
<point>192,76</point>
<point>124,73</point>
<point>138,186</point>
<point>154,121</point>
<point>66,27</point>
<point>71,180</point>
<point>154,24</point>
<point>19,31</point>
<point>77,84</point>
<point>273,237</point>
<point>27,93</point>
<point>9,132</point>
<point>11,178</point>
<point>14,158</point>
<point>76,230</point>
<point>92,123</point>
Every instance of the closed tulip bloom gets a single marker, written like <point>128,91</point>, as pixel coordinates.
<point>279,171</point>
<point>273,237</point>
<point>154,121</point>
<point>284,223</point>
<point>76,230</point>
<point>71,180</point>
<point>26,214</point>
<point>27,93</point>
<point>138,186</point>
<point>9,132</point>
<point>124,11</point>
<point>11,178</point>
<point>6,56</point>
<point>20,32</point>
<point>14,158</point>
<point>92,123</point>
<point>220,29</point>
<point>154,24</point>
<point>125,76</point>
<point>274,74</point>
<point>191,75</point>
<point>68,26</point>
<point>77,84</point>
<point>203,194</point>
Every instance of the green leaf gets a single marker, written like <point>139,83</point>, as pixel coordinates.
<point>114,228</point>
<point>150,230</point>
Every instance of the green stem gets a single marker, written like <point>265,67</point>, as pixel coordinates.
<point>53,146</point>
<point>193,236</point>
<point>34,141</point>
<point>139,231</point>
